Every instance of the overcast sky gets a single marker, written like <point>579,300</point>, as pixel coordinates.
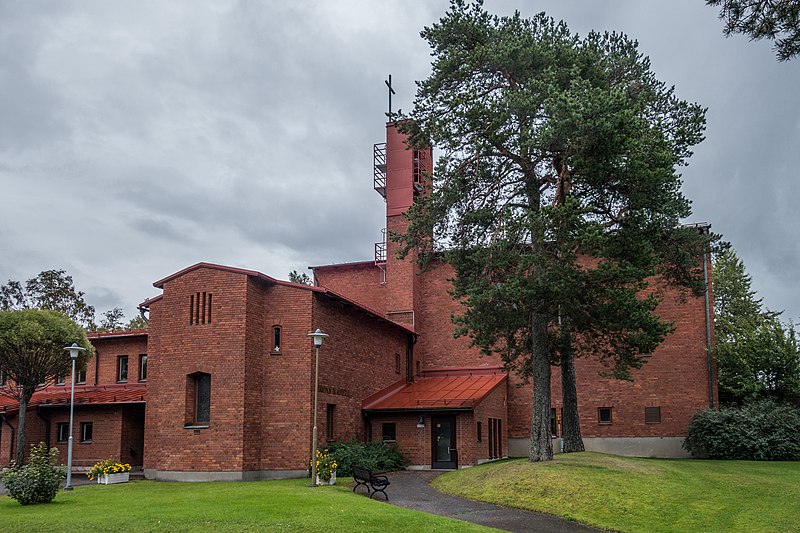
<point>138,138</point>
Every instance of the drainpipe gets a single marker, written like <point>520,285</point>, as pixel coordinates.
<point>709,356</point>
<point>47,425</point>
<point>412,340</point>
<point>4,420</point>
<point>96,367</point>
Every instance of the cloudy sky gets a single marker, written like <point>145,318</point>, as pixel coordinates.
<point>138,138</point>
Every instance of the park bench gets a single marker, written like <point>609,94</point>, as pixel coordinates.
<point>373,482</point>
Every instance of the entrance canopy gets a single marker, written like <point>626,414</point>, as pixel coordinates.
<point>458,389</point>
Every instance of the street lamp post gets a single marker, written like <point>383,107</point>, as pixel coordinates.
<point>318,337</point>
<point>74,352</point>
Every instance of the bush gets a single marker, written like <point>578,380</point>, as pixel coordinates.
<point>375,456</point>
<point>39,480</point>
<point>762,431</point>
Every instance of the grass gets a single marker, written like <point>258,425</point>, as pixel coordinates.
<point>636,494</point>
<point>286,505</point>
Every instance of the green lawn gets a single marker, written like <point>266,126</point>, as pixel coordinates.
<point>634,494</point>
<point>288,505</point>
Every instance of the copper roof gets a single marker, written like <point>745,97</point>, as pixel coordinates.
<point>56,395</point>
<point>444,389</point>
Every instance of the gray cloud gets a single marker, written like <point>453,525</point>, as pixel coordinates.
<point>141,137</point>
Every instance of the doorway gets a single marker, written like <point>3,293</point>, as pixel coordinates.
<point>443,446</point>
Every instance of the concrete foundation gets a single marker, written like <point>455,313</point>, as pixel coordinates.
<point>667,447</point>
<point>260,475</point>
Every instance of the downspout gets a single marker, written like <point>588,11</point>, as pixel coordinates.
<point>96,367</point>
<point>412,340</point>
<point>4,420</point>
<point>47,425</point>
<point>709,357</point>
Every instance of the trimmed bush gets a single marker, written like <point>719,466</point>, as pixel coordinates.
<point>39,480</point>
<point>762,431</point>
<point>375,456</point>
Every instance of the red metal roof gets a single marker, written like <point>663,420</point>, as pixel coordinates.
<point>117,334</point>
<point>454,388</point>
<point>84,395</point>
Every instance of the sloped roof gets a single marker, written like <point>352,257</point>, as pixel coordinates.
<point>443,389</point>
<point>54,396</point>
<point>117,334</point>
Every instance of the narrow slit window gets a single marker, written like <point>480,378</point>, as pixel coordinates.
<point>122,368</point>
<point>200,308</point>
<point>276,338</point>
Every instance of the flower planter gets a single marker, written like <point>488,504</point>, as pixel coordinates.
<point>113,478</point>
<point>332,481</point>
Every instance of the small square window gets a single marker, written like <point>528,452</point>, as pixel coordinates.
<point>86,432</point>
<point>61,379</point>
<point>389,432</point>
<point>604,415</point>
<point>122,368</point>
<point>652,415</point>
<point>143,367</point>
<point>63,432</point>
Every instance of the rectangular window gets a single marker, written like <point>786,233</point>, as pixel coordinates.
<point>331,413</point>
<point>276,338</point>
<point>553,425</point>
<point>389,432</point>
<point>396,363</point>
<point>61,379</point>
<point>143,367</point>
<point>81,376</point>
<point>479,432</point>
<point>652,415</point>
<point>122,368</point>
<point>604,415</point>
<point>198,399</point>
<point>86,432</point>
<point>3,377</point>
<point>62,434</point>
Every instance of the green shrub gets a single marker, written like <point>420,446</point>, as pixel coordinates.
<point>761,431</point>
<point>37,481</point>
<point>375,456</point>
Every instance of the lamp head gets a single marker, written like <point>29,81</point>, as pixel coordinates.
<point>74,351</point>
<point>318,337</point>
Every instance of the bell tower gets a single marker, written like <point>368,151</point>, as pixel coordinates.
<point>400,174</point>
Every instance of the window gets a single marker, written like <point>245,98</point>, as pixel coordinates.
<point>143,367</point>
<point>396,363</point>
<point>3,377</point>
<point>329,421</point>
<point>389,432</point>
<point>81,377</point>
<point>419,368</point>
<point>652,415</point>
<point>200,308</point>
<point>86,432</point>
<point>63,432</point>
<point>61,379</point>
<point>495,428</point>
<point>276,339</point>
<point>198,399</point>
<point>122,368</point>
<point>604,415</point>
<point>479,432</point>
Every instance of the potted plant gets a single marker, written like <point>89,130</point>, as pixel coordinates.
<point>326,468</point>
<point>109,471</point>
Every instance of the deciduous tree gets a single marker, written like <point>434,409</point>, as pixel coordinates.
<point>51,289</point>
<point>555,196</point>
<point>32,354</point>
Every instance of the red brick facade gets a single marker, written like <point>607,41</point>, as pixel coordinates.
<point>229,384</point>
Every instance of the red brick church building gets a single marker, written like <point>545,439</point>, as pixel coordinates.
<point>221,384</point>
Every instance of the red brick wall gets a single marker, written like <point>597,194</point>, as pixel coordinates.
<point>361,282</point>
<point>178,349</point>
<point>358,359</point>
<point>107,428</point>
<point>493,406</point>
<point>102,369</point>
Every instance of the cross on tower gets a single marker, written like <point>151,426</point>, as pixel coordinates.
<point>391,92</point>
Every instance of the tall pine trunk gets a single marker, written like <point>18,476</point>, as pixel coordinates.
<point>570,420</point>
<point>541,443</point>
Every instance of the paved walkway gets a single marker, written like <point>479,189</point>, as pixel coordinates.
<point>411,489</point>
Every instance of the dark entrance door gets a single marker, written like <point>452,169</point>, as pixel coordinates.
<point>445,452</point>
